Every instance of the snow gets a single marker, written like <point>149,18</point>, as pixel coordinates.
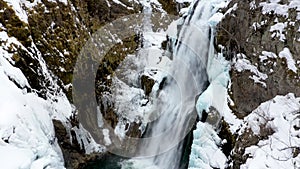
<point>233,8</point>
<point>27,125</point>
<point>13,72</point>
<point>275,7</point>
<point>130,100</point>
<point>281,114</point>
<point>183,11</point>
<point>183,1</point>
<point>62,1</point>
<point>106,137</point>
<point>155,38</point>
<point>284,54</point>
<point>26,119</point>
<point>218,16</point>
<point>215,19</point>
<point>172,28</point>
<point>267,55</point>
<point>27,138</point>
<point>278,31</point>
<point>256,25</point>
<point>291,64</point>
<point>15,158</point>
<point>280,9</point>
<point>119,2</point>
<point>120,130</point>
<point>108,4</point>
<point>230,118</point>
<point>242,63</point>
<point>18,7</point>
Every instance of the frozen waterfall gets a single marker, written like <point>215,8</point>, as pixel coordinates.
<point>191,68</point>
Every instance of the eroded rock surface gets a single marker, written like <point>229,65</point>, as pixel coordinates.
<point>255,37</point>
<point>248,30</point>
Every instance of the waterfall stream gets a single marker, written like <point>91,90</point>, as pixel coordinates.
<point>189,42</point>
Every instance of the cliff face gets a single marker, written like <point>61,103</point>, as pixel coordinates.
<point>261,34</point>
<point>42,39</point>
<point>262,41</point>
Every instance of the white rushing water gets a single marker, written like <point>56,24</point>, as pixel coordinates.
<point>190,44</point>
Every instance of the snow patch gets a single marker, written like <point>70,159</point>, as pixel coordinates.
<point>278,31</point>
<point>281,114</point>
<point>274,6</point>
<point>107,140</point>
<point>27,127</point>
<point>267,55</point>
<point>233,8</point>
<point>285,53</point>
<point>241,64</point>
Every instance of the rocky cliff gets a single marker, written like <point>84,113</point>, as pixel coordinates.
<point>262,41</point>
<point>41,40</point>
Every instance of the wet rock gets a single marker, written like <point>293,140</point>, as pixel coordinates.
<point>74,155</point>
<point>211,117</point>
<point>147,84</point>
<point>226,135</point>
<point>110,161</point>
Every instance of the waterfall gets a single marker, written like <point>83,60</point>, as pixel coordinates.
<point>190,44</point>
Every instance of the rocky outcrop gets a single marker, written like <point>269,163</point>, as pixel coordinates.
<point>74,156</point>
<point>147,84</point>
<point>247,30</point>
<point>56,31</point>
<point>173,7</point>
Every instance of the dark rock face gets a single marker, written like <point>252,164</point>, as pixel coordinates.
<point>225,133</point>
<point>247,95</point>
<point>61,33</point>
<point>237,34</point>
<point>147,84</point>
<point>74,156</point>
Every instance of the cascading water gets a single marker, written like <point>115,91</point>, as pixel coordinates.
<point>190,47</point>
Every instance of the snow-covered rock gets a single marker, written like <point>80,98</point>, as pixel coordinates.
<point>281,148</point>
